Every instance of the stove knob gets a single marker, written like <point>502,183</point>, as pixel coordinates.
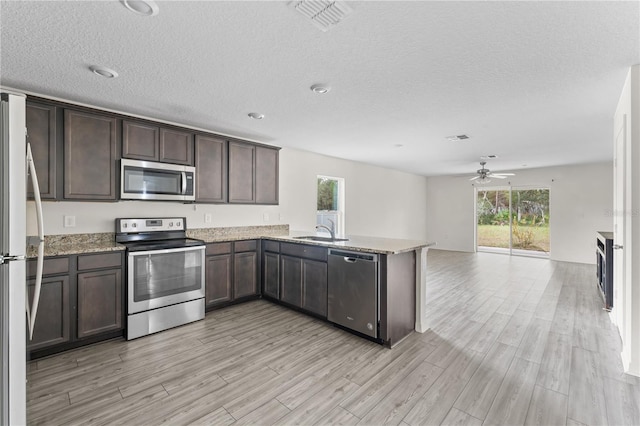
<point>178,224</point>
<point>124,225</point>
<point>134,225</point>
<point>170,223</point>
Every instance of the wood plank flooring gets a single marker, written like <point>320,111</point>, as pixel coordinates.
<point>513,341</point>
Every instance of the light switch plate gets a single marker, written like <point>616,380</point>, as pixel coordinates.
<point>69,221</point>
<point>207,218</point>
<point>265,217</point>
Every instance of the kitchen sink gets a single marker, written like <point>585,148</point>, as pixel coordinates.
<point>320,239</point>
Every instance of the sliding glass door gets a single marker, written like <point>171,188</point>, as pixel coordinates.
<point>513,220</point>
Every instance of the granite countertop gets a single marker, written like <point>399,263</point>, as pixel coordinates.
<point>358,243</point>
<point>61,245</point>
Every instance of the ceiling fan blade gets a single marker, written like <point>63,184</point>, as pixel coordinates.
<point>503,174</point>
<point>475,177</point>
<point>497,176</point>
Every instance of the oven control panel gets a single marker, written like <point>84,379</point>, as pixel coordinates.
<point>150,225</point>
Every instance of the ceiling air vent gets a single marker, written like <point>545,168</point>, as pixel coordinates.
<point>457,138</point>
<point>322,13</point>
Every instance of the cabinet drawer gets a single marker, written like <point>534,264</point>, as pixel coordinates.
<point>218,248</point>
<point>250,245</point>
<point>273,246</point>
<point>58,265</point>
<point>98,261</point>
<point>302,250</point>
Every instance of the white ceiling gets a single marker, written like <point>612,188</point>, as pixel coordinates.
<point>536,83</point>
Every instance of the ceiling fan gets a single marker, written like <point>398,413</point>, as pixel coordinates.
<point>485,175</point>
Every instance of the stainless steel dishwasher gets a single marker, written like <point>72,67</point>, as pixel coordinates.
<point>353,291</point>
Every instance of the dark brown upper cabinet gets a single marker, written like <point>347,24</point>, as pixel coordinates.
<point>176,146</point>
<point>242,173</point>
<point>266,175</point>
<point>146,141</point>
<point>253,174</point>
<point>211,169</point>
<point>42,125</point>
<point>140,141</point>
<point>90,156</point>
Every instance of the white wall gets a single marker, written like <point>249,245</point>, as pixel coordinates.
<point>581,204</point>
<point>379,202</point>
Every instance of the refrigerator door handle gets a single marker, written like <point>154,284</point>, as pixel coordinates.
<point>32,310</point>
<point>5,258</point>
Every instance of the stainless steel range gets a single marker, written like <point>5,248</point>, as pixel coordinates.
<point>165,274</point>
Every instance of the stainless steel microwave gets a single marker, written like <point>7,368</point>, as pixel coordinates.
<point>147,180</point>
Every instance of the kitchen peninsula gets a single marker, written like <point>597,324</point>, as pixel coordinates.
<point>287,270</point>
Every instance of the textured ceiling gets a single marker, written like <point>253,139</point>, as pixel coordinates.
<point>535,83</point>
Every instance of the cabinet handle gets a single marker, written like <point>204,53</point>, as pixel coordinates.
<point>617,247</point>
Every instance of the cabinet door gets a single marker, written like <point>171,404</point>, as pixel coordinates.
<point>99,302</point>
<point>241,173</point>
<point>140,141</point>
<point>271,274</point>
<point>41,122</point>
<point>291,280</point>
<point>53,318</point>
<point>90,156</point>
<point>314,286</point>
<point>211,169</point>
<point>218,279</point>
<point>245,274</point>
<point>266,175</point>
<point>176,147</point>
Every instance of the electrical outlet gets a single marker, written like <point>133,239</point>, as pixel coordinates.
<point>265,217</point>
<point>69,221</point>
<point>207,218</point>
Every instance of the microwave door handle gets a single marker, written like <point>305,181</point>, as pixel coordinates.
<point>184,183</point>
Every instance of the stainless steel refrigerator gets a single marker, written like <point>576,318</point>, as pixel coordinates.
<point>17,312</point>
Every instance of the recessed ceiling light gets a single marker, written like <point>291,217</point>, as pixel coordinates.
<point>320,89</point>
<point>524,165</point>
<point>103,71</point>
<point>398,145</point>
<point>489,157</point>
<point>256,115</point>
<point>142,7</point>
<point>457,138</point>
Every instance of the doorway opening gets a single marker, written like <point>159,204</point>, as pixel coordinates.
<point>513,221</point>
<point>330,203</point>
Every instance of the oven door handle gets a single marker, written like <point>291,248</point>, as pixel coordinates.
<point>184,183</point>
<point>167,251</point>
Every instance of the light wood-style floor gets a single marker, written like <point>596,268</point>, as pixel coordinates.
<point>513,341</point>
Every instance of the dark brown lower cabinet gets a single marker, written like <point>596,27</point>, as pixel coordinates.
<point>245,274</point>
<point>231,272</point>
<point>81,301</point>
<point>271,275</point>
<point>314,286</point>
<point>304,284</point>
<point>53,325</point>
<point>99,302</point>
<point>218,279</point>
<point>290,280</point>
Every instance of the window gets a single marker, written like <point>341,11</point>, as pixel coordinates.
<point>330,203</point>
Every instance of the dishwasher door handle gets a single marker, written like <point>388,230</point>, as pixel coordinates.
<point>350,259</point>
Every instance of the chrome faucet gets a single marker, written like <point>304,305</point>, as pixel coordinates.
<point>331,231</point>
